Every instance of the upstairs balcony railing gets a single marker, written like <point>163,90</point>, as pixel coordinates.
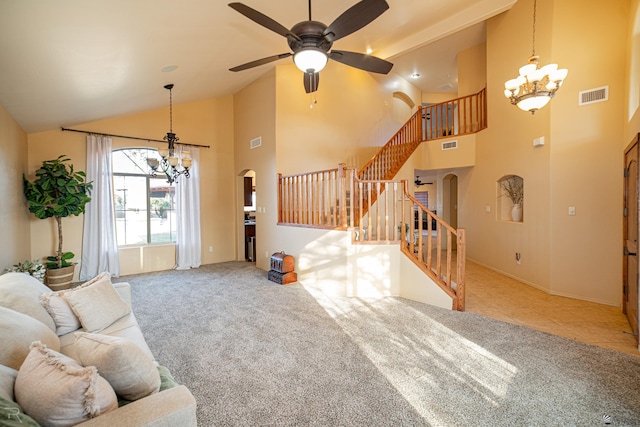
<point>460,116</point>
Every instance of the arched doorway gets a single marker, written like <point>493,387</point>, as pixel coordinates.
<point>246,233</point>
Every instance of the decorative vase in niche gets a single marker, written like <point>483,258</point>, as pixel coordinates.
<point>516,212</point>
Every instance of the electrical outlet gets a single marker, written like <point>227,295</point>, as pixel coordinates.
<point>210,248</point>
<point>266,254</point>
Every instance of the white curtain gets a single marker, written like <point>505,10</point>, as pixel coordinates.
<point>99,245</point>
<point>188,245</point>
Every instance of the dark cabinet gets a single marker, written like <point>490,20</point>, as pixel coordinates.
<point>248,190</point>
<point>250,242</point>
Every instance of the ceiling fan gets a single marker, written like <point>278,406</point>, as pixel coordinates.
<point>311,41</point>
<point>419,183</point>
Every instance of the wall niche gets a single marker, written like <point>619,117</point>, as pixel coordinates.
<point>510,198</point>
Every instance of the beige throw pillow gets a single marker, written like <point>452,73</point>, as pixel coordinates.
<point>55,390</point>
<point>7,379</point>
<point>17,332</point>
<point>101,276</point>
<point>65,319</point>
<point>129,370</point>
<point>21,292</point>
<point>59,309</point>
<point>97,305</point>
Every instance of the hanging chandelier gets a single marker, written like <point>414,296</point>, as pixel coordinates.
<point>534,87</point>
<point>171,163</point>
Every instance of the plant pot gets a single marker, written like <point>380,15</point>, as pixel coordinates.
<point>516,213</point>
<point>60,278</point>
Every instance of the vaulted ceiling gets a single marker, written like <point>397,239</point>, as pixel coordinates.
<point>67,62</point>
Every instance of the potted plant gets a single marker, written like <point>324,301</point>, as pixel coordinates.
<point>514,189</point>
<point>58,191</point>
<point>33,268</point>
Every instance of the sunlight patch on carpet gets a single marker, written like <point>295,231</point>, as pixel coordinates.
<point>413,356</point>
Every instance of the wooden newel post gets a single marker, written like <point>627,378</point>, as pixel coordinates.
<point>420,123</point>
<point>460,267</point>
<point>342,191</point>
<point>280,197</point>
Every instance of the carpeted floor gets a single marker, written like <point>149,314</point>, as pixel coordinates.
<point>257,353</point>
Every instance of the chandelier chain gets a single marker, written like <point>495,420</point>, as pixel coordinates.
<point>534,28</point>
<point>171,163</point>
<point>170,110</point>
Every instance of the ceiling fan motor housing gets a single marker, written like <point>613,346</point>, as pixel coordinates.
<point>311,34</point>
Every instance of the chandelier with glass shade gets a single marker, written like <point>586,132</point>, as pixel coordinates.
<point>171,163</point>
<point>534,87</point>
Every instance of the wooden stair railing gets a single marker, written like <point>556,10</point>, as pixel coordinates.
<point>335,198</point>
<point>426,246</point>
<point>390,157</point>
<point>380,210</point>
<point>460,116</point>
<point>316,199</point>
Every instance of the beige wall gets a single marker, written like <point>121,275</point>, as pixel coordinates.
<point>632,98</point>
<point>587,139</point>
<point>204,123</point>
<point>353,117</point>
<point>472,70</point>
<point>433,157</point>
<point>254,116</point>
<point>436,98</point>
<point>14,215</point>
<point>579,165</point>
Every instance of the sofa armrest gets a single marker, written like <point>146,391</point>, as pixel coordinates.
<point>124,290</point>
<point>173,407</point>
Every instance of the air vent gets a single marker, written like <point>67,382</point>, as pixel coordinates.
<point>450,145</point>
<point>255,142</point>
<point>592,96</point>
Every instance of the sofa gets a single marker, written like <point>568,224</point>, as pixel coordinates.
<point>78,357</point>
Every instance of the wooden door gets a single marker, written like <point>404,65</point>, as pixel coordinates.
<point>630,230</point>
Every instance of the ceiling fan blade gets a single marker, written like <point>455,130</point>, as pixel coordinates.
<point>311,82</point>
<point>361,61</point>
<point>263,20</point>
<point>259,62</point>
<point>354,18</point>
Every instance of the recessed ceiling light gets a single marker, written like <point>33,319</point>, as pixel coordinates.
<point>169,68</point>
<point>415,75</point>
<point>369,51</point>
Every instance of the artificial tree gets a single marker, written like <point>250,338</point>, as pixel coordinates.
<point>58,191</point>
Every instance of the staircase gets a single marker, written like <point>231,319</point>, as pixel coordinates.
<point>379,210</point>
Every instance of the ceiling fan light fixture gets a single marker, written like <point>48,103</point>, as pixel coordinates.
<point>310,60</point>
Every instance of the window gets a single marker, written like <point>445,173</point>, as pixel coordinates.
<point>423,198</point>
<point>144,206</point>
